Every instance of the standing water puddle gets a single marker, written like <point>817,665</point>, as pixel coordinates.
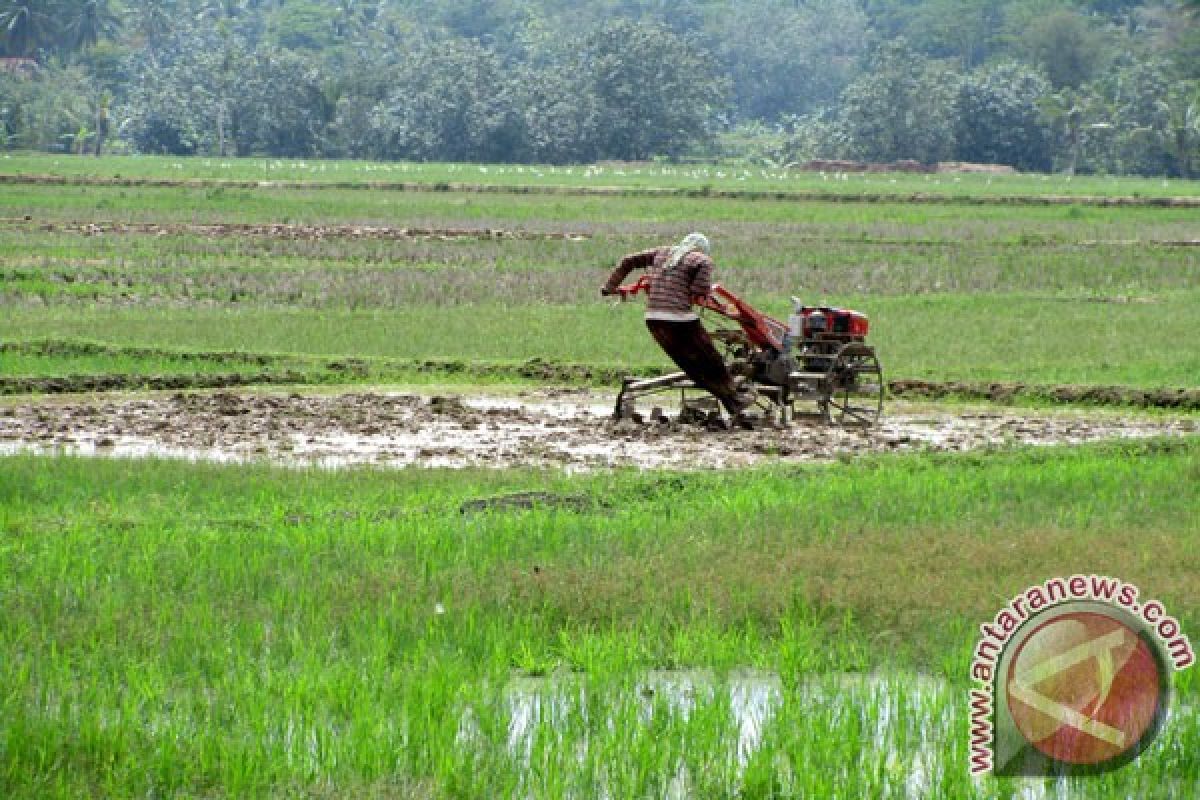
<point>560,711</point>
<point>901,726</point>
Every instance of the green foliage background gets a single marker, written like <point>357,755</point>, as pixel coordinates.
<point>1099,86</point>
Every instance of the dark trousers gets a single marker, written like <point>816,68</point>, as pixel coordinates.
<point>691,348</point>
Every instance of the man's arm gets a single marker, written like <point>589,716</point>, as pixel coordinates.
<point>627,265</point>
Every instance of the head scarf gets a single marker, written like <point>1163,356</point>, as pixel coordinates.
<point>693,241</point>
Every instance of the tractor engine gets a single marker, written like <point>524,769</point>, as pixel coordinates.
<point>811,332</point>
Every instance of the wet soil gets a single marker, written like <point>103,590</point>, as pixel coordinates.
<point>1005,392</point>
<point>567,428</point>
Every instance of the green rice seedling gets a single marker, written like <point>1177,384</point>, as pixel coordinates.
<point>197,630</point>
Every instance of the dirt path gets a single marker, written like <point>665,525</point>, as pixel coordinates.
<point>565,428</point>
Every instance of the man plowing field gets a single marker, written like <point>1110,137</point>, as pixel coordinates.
<point>678,277</point>
<point>817,365</point>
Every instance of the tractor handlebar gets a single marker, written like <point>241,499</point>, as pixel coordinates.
<point>763,330</point>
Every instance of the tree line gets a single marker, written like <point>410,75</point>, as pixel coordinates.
<point>1080,85</point>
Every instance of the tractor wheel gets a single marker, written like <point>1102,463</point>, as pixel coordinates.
<point>855,387</point>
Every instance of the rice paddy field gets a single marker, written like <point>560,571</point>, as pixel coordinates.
<point>175,625</point>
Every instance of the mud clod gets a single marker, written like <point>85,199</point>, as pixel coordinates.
<point>447,405</point>
<point>525,501</point>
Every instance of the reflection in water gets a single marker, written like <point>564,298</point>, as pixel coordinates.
<point>540,709</point>
<point>912,720</point>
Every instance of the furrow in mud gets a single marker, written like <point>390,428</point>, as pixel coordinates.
<point>565,428</point>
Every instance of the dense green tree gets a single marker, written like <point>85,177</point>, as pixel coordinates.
<point>15,92</point>
<point>491,21</point>
<point>1081,121</point>
<point>1066,46</point>
<point>785,59</point>
<point>998,118</point>
<point>165,116</point>
<point>287,105</point>
<point>304,25</point>
<point>646,105</point>
<point>1154,121</point>
<point>901,108</point>
<point>210,91</point>
<point>565,80</point>
<point>90,21</point>
<point>1185,46</point>
<point>51,111</point>
<point>1182,134</point>
<point>153,20</point>
<point>559,116</point>
<point>1137,95</point>
<point>219,9</point>
<point>353,18</point>
<point>962,30</point>
<point>450,100</point>
<point>27,25</point>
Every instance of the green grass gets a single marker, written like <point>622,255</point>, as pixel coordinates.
<point>308,205</point>
<point>1022,337</point>
<point>183,630</point>
<point>45,366</point>
<point>955,292</point>
<point>77,365</point>
<point>635,175</point>
<point>188,630</point>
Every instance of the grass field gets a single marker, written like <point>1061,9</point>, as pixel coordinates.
<point>656,176</point>
<point>170,629</point>
<point>1025,293</point>
<point>182,630</point>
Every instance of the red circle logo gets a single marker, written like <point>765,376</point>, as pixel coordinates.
<point>1084,688</point>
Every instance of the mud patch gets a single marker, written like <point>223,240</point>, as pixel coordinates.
<point>1068,394</point>
<point>74,384</point>
<point>574,432</point>
<point>526,501</point>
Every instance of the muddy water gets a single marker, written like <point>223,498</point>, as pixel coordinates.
<point>564,428</point>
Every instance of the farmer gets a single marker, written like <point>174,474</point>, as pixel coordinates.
<point>678,276</point>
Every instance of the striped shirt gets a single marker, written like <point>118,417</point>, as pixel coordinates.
<point>671,291</point>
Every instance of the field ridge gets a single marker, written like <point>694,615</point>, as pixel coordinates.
<point>301,369</point>
<point>933,198</point>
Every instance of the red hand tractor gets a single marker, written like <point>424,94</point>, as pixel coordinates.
<point>817,365</point>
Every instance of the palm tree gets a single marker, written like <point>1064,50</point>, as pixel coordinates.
<point>153,19</point>
<point>220,9</point>
<point>1182,136</point>
<point>93,20</point>
<point>350,17</point>
<point>25,25</point>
